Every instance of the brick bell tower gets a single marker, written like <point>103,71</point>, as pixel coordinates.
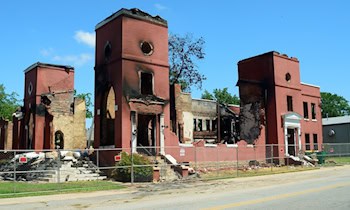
<point>43,81</point>
<point>132,82</point>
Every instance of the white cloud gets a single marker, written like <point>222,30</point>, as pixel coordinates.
<point>75,60</point>
<point>160,7</point>
<point>85,38</point>
<point>46,52</point>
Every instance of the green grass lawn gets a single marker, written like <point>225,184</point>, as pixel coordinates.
<point>337,160</point>
<point>10,189</point>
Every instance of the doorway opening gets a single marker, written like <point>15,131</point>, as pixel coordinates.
<point>108,118</point>
<point>47,131</point>
<point>59,140</point>
<point>291,141</point>
<point>146,134</point>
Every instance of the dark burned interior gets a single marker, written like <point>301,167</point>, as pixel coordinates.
<point>146,83</point>
<point>146,133</point>
<point>229,126</point>
<point>252,111</point>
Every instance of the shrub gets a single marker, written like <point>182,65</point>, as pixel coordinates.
<point>143,171</point>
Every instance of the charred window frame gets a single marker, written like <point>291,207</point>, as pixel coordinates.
<point>200,124</point>
<point>315,141</point>
<point>289,103</point>
<point>207,123</point>
<point>213,125</point>
<point>146,48</point>
<point>313,111</point>
<point>146,83</point>
<point>194,124</point>
<point>307,141</point>
<point>306,110</point>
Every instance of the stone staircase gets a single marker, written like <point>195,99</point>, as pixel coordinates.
<point>70,171</point>
<point>167,172</point>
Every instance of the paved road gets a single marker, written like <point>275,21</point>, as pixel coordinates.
<point>327,188</point>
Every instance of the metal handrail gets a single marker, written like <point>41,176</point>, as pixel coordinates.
<point>144,149</point>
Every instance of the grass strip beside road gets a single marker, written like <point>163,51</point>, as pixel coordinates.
<point>338,160</point>
<point>227,174</point>
<point>10,189</point>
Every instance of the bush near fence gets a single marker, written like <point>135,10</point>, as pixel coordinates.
<point>142,170</point>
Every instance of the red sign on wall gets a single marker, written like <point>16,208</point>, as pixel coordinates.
<point>117,158</point>
<point>23,159</point>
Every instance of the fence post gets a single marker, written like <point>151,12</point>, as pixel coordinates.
<point>256,160</point>
<point>58,166</point>
<point>237,165</point>
<point>217,161</point>
<point>271,150</point>
<point>132,167</point>
<point>98,159</point>
<point>287,157</point>
<point>14,173</point>
<point>301,152</point>
<point>195,158</point>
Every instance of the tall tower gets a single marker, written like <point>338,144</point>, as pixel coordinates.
<point>43,81</point>
<point>271,82</point>
<point>131,81</point>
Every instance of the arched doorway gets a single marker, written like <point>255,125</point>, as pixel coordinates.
<point>30,132</point>
<point>59,140</point>
<point>107,118</point>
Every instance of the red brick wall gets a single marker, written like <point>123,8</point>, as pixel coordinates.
<point>123,68</point>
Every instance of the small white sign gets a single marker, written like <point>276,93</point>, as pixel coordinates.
<point>182,152</point>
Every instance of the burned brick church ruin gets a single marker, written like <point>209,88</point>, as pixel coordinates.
<point>51,116</point>
<point>136,109</point>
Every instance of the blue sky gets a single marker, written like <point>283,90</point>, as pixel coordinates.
<point>62,32</point>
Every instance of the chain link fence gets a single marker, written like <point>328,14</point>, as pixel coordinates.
<point>184,163</point>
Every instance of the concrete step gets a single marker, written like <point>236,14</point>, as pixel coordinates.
<point>69,173</point>
<point>166,171</point>
<point>71,179</point>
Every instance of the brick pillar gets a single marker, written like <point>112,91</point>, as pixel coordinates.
<point>16,133</point>
<point>38,140</point>
<point>9,139</point>
<point>179,110</point>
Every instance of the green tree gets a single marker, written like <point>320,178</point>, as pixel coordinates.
<point>184,51</point>
<point>8,103</point>
<point>88,103</point>
<point>222,96</point>
<point>207,95</point>
<point>334,105</point>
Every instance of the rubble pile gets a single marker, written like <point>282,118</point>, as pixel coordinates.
<point>50,167</point>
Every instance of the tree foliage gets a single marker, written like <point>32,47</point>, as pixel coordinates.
<point>222,96</point>
<point>8,103</point>
<point>334,105</point>
<point>184,51</point>
<point>88,103</point>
